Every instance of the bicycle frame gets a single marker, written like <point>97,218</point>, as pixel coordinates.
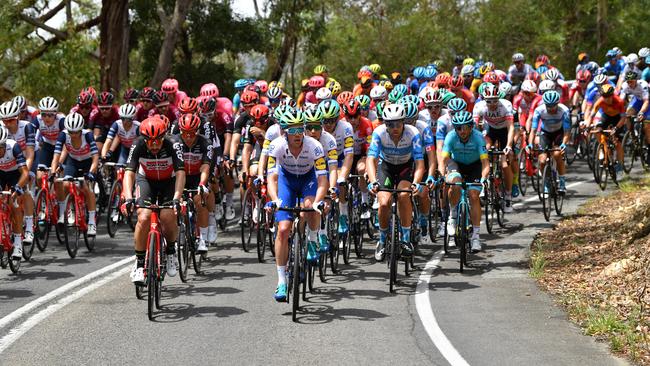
<point>74,189</point>
<point>6,225</point>
<point>51,213</point>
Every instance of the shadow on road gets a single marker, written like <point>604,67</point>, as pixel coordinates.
<point>321,314</point>
<point>178,312</point>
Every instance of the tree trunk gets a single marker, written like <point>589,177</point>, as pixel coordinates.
<point>173,30</point>
<point>601,25</point>
<point>288,41</point>
<point>112,51</point>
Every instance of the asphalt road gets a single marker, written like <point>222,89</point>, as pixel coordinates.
<point>492,314</point>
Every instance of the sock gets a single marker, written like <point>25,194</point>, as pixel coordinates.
<point>229,199</point>
<point>508,196</point>
<point>91,217</point>
<point>61,208</point>
<point>562,178</point>
<point>383,234</point>
<point>139,258</point>
<point>282,275</point>
<point>476,231</point>
<point>171,248</point>
<point>29,223</point>
<point>203,233</point>
<point>17,241</point>
<point>515,178</point>
<point>364,197</point>
<point>211,218</point>
<point>406,234</point>
<point>343,208</point>
<point>311,235</point>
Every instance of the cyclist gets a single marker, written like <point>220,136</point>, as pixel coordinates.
<point>49,123</point>
<point>638,105</point>
<point>15,177</point>
<point>81,160</point>
<point>174,96</point>
<point>362,133</point>
<point>155,166</point>
<point>101,122</point>
<point>121,135</point>
<point>579,89</point>
<point>631,62</point>
<point>85,107</point>
<point>465,158</point>
<point>614,66</point>
<point>395,161</point>
<point>518,70</point>
<point>163,107</point>
<point>497,116</point>
<point>553,121</point>
<point>296,169</point>
<point>146,104</point>
<point>131,96</point>
<point>197,157</point>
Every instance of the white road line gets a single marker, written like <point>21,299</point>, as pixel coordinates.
<point>534,197</point>
<point>17,332</point>
<point>59,291</point>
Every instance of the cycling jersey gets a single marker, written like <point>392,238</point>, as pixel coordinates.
<point>443,127</point>
<point>126,137</point>
<point>222,123</point>
<point>646,74</point>
<point>615,108</point>
<point>465,152</point>
<point>200,153</point>
<point>243,120</point>
<point>614,68</point>
<point>159,166</point>
<point>99,121</point>
<point>525,108</point>
<point>48,134</point>
<point>496,119</point>
<point>88,117</point>
<point>517,76</point>
<point>85,151</point>
<point>311,157</point>
<point>576,88</point>
<point>272,133</point>
<point>362,136</point>
<point>13,158</point>
<point>408,147</point>
<point>141,113</point>
<point>329,146</point>
<point>24,135</point>
<point>551,122</point>
<point>428,139</point>
<point>172,113</point>
<point>180,95</point>
<point>640,90</point>
<point>466,95</point>
<point>344,139</point>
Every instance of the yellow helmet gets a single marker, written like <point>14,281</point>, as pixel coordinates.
<point>375,68</point>
<point>334,86</point>
<point>387,84</point>
<point>468,61</point>
<point>320,69</point>
<point>276,84</point>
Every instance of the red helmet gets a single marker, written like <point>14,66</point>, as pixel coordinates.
<point>249,97</point>
<point>364,72</point>
<point>153,128</point>
<point>583,75</point>
<point>147,93</point>
<point>443,80</point>
<point>263,85</point>
<point>352,108</point>
<point>160,98</point>
<point>534,76</point>
<point>165,121</point>
<point>131,94</point>
<point>316,82</point>
<point>106,99</point>
<point>188,105</point>
<point>170,86</point>
<point>456,82</point>
<point>260,113</point>
<point>344,97</point>
<point>491,77</point>
<point>542,60</point>
<point>189,122</point>
<point>209,90</point>
<point>90,90</point>
<point>84,99</point>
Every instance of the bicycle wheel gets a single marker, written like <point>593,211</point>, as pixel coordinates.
<point>558,198</point>
<point>332,227</point>
<point>151,276</point>
<point>322,267</point>
<point>393,250</point>
<point>71,230</point>
<point>612,161</point>
<point>261,234</point>
<point>270,237</point>
<point>162,264</point>
<point>113,214</point>
<point>190,233</point>
<point>246,224</point>
<point>357,229</point>
<point>461,234</point>
<point>14,263</point>
<point>89,240</point>
<point>572,151</point>
<point>629,149</point>
<point>601,166</point>
<point>43,224</point>
<point>500,202</point>
<point>296,279</point>
<point>489,205</point>
<point>183,249</point>
<point>592,146</point>
<point>28,249</point>
<point>547,181</point>
<point>434,214</point>
<point>523,180</point>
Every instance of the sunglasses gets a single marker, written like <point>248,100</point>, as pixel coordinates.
<point>148,101</point>
<point>330,121</point>
<point>189,134</point>
<point>127,119</point>
<point>295,130</point>
<point>48,115</point>
<point>10,120</point>
<point>84,107</point>
<point>394,124</point>
<point>551,105</point>
<point>314,127</point>
<point>153,142</point>
<point>434,106</point>
<point>104,108</point>
<point>463,127</point>
<point>491,101</point>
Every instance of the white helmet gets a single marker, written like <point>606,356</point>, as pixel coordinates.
<point>546,85</point>
<point>323,94</point>
<point>74,122</point>
<point>378,92</point>
<point>632,58</point>
<point>467,70</point>
<point>4,134</point>
<point>9,110</point>
<point>394,112</point>
<point>529,86</point>
<point>48,104</point>
<point>644,52</point>
<point>552,74</point>
<point>127,111</point>
<point>517,57</point>
<point>423,93</point>
<point>600,79</point>
<point>505,88</point>
<point>20,101</point>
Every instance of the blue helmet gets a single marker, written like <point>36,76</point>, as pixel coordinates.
<point>611,54</point>
<point>409,99</point>
<point>430,72</point>
<point>242,83</point>
<point>551,97</point>
<point>418,72</point>
<point>457,105</point>
<point>462,118</point>
<point>401,88</point>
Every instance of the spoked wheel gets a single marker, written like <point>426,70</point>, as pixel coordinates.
<point>523,181</point>
<point>392,247</point>
<point>43,224</point>
<point>572,149</point>
<point>490,203</point>
<point>28,249</point>
<point>139,291</point>
<point>501,200</point>
<point>445,237</point>
<point>357,235</point>
<point>246,225</point>
<point>89,240</point>
<point>113,214</point>
<point>162,260</point>
<point>600,166</point>
<point>612,164</point>
<point>183,250</point>
<point>322,267</point>
<point>295,296</point>
<point>332,231</point>
<point>261,234</point>
<point>151,278</point>
<point>461,235</point>
<point>548,191</point>
<point>14,263</point>
<point>558,200</point>
<point>191,240</point>
<point>629,148</point>
<point>71,230</point>
<point>643,156</point>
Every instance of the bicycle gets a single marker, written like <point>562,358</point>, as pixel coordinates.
<point>247,224</point>
<point>264,224</point>
<point>46,211</point>
<point>355,232</point>
<point>436,193</point>
<point>550,184</point>
<point>189,230</point>
<point>604,158</point>
<point>75,217</point>
<point>635,147</point>
<point>463,222</point>
<point>115,199</point>
<point>6,230</point>
<point>392,245</point>
<point>495,191</point>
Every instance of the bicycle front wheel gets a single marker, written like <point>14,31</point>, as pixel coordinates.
<point>246,224</point>
<point>113,214</point>
<point>490,202</point>
<point>71,232</point>
<point>629,149</point>
<point>296,280</point>
<point>461,234</point>
<point>183,249</point>
<point>393,252</point>
<point>547,187</point>
<point>261,234</point>
<point>43,224</point>
<point>601,166</point>
<point>151,277</point>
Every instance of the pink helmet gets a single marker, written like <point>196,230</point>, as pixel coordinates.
<point>170,86</point>
<point>209,90</point>
<point>263,85</point>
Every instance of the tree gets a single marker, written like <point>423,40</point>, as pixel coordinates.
<point>173,29</point>
<point>114,43</point>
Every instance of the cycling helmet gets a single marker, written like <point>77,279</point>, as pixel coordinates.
<point>505,88</point>
<point>209,90</point>
<point>352,108</point>
<point>468,61</point>
<point>551,98</point>
<point>9,110</point>
<point>380,108</point>
<point>395,95</point>
<point>105,99</point>
<point>189,122</point>
<point>418,72</point>
<point>20,101</point>
<point>546,85</point>
<point>323,94</point>
<point>644,52</point>
<point>320,70</point>
<point>542,60</point>
<point>364,101</point>
<point>378,93</point>
<point>517,57</point>
<point>442,80</point>
<point>387,84</point>
<point>262,85</point>
<point>153,128</point>
<point>48,104</point>
<point>316,82</point>
<point>430,72</point>
<point>402,88</point>
<point>529,86</point>
<point>552,74</point>
<point>632,58</point>
<point>583,57</point>
<point>73,122</point>
<point>329,109</point>
<point>292,117</point>
<point>410,109</point>
<point>188,105</point>
<point>147,93</point>
<point>84,99</point>
<point>458,59</point>
<point>490,91</point>
<point>394,112</point>
<point>482,87</point>
<point>600,79</point>
<point>344,97</point>
<point>409,99</point>
<point>484,69</point>
<point>467,70</point>
<point>279,111</point>
<point>127,111</point>
<point>542,69</point>
<point>462,118</point>
<point>170,86</point>
<point>276,84</point>
<point>432,96</point>
<point>274,93</point>
<point>208,105</point>
<point>90,90</point>
<point>312,116</point>
<point>334,86</point>
<point>533,76</point>
<point>456,82</point>
<point>160,98</point>
<point>632,75</point>
<point>583,75</point>
<point>249,97</point>
<point>607,90</point>
<point>260,113</point>
<point>242,83</point>
<point>289,101</point>
<point>447,96</point>
<point>131,95</point>
<point>457,105</point>
<point>4,135</point>
<point>491,77</point>
<point>610,54</point>
<point>592,67</point>
<point>375,68</point>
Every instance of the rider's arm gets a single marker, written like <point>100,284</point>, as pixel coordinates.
<point>485,167</point>
<point>129,180</point>
<point>24,176</point>
<point>418,156</point>
<point>373,155</point>
<point>107,146</point>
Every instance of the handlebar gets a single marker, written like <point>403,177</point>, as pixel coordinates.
<point>391,190</point>
<point>117,165</point>
<point>70,179</point>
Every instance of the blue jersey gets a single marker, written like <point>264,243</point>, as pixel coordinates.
<point>614,69</point>
<point>646,74</point>
<point>408,147</point>
<point>465,152</point>
<point>552,122</point>
<point>427,136</point>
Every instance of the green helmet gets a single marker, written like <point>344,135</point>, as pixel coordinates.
<point>395,95</point>
<point>457,105</point>
<point>279,111</point>
<point>329,108</point>
<point>411,110</point>
<point>364,101</point>
<point>380,108</point>
<point>482,87</point>
<point>291,118</point>
<point>312,116</point>
<point>447,97</point>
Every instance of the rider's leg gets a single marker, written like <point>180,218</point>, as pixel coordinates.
<point>405,210</point>
<point>91,204</point>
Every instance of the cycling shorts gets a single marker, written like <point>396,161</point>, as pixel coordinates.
<point>192,181</point>
<point>9,179</point>
<point>470,173</point>
<point>607,122</point>
<point>291,187</point>
<point>103,135</point>
<point>153,191</point>
<point>551,139</point>
<point>45,155</point>
<point>498,136</point>
<point>636,105</point>
<point>389,175</point>
<point>76,168</point>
